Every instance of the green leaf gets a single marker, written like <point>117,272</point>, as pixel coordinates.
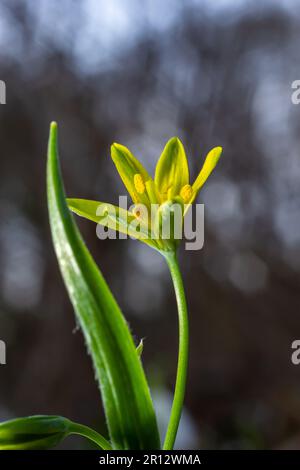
<point>127,402</point>
<point>43,432</point>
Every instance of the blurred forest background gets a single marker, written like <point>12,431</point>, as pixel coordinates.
<point>213,73</point>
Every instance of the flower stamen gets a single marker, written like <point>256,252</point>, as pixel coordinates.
<point>186,193</point>
<point>139,183</point>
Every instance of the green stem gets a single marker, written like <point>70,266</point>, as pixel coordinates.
<point>90,434</point>
<point>182,352</point>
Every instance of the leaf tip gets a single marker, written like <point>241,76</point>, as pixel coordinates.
<point>116,148</point>
<point>53,128</point>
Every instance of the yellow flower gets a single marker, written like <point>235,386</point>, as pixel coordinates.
<point>153,198</point>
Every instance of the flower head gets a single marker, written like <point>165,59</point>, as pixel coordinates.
<point>154,199</point>
<point>33,432</point>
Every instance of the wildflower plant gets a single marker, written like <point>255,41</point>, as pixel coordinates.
<point>157,203</point>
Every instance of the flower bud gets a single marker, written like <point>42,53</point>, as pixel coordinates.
<point>33,432</point>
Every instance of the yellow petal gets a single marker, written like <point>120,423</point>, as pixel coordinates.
<point>153,192</point>
<point>172,172</point>
<point>111,216</point>
<point>132,173</point>
<point>209,164</point>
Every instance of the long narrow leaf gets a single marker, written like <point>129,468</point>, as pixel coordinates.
<point>128,407</point>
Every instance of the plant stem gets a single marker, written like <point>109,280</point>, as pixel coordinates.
<point>90,434</point>
<point>182,364</point>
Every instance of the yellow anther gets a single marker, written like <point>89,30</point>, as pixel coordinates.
<point>140,211</point>
<point>186,193</point>
<point>139,183</point>
<point>137,213</point>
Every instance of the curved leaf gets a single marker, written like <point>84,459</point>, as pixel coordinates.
<point>128,406</point>
<point>43,432</point>
<point>210,162</point>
